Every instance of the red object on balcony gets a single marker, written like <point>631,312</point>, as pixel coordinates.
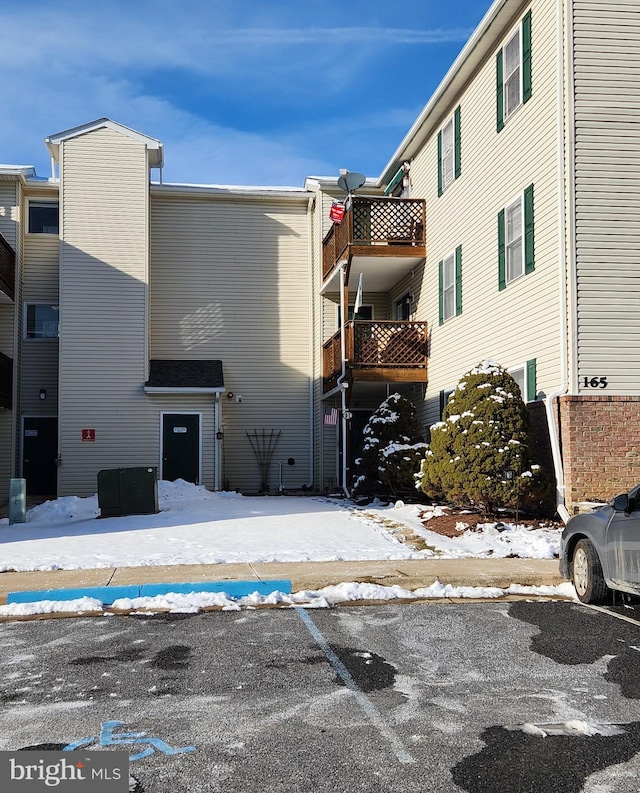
<point>336,213</point>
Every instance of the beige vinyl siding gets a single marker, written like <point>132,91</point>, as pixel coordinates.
<point>522,321</point>
<point>9,216</point>
<point>40,279</point>
<point>230,281</point>
<point>40,265</point>
<point>103,274</point>
<point>606,40</point>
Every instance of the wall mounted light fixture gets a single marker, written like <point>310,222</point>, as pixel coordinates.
<point>43,393</point>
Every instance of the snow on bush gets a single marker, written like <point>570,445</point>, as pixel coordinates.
<point>478,453</point>
<point>391,450</point>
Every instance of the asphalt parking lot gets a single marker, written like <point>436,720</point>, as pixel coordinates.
<point>435,697</point>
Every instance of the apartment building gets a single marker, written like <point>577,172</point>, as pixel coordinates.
<point>137,318</point>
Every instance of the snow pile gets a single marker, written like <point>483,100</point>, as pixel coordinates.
<point>326,597</point>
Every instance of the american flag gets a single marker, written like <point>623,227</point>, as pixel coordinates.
<point>331,416</point>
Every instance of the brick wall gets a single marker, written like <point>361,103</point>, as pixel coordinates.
<point>600,437</point>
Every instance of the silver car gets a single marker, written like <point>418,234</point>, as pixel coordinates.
<point>600,550</point>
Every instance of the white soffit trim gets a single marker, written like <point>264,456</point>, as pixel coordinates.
<point>154,146</point>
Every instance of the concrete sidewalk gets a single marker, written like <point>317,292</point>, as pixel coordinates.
<point>409,574</point>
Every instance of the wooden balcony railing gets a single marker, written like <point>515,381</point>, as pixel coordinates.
<point>393,351</point>
<point>6,381</point>
<point>7,268</point>
<point>373,223</point>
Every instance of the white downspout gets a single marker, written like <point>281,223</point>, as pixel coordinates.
<point>340,384</point>
<point>217,473</point>
<point>310,257</point>
<point>564,363</point>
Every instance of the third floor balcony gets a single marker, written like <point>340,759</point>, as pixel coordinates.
<point>380,235</point>
<point>7,271</point>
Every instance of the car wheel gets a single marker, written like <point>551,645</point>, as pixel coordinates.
<point>586,574</point>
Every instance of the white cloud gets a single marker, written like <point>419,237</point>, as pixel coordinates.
<point>191,74</point>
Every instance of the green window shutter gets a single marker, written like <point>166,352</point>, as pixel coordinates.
<point>457,152</point>
<point>532,388</point>
<point>458,280</point>
<point>529,265</point>
<point>440,295</point>
<point>526,57</point>
<point>502,277</point>
<point>442,404</point>
<point>499,92</point>
<point>439,163</point>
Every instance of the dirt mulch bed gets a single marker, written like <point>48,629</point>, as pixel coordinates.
<point>447,525</point>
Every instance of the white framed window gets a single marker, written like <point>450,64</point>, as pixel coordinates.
<point>525,376</point>
<point>512,87</point>
<point>514,239</point>
<point>516,243</point>
<point>41,321</point>
<point>513,71</point>
<point>449,287</point>
<point>43,217</point>
<point>447,154</point>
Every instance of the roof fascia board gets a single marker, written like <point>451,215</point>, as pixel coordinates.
<point>53,141</point>
<point>454,79</point>
<point>231,192</point>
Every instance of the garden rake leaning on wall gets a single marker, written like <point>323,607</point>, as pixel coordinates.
<point>263,442</point>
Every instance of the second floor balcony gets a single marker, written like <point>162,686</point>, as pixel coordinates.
<point>377,351</point>
<point>380,232</point>
<point>7,271</point>
<point>6,381</point>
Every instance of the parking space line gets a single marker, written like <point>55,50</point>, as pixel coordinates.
<point>364,702</point>
<point>612,613</point>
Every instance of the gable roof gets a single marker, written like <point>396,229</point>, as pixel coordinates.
<point>154,146</point>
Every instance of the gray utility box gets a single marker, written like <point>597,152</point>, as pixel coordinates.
<point>128,491</point>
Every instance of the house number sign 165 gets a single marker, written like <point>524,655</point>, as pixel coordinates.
<point>594,382</point>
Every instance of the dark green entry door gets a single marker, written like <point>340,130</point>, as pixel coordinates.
<point>39,453</point>
<point>181,447</point>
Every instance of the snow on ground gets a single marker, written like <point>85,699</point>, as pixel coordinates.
<point>196,526</point>
<point>327,597</point>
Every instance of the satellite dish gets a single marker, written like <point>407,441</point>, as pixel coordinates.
<point>351,180</point>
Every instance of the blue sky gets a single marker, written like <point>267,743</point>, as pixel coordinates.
<point>239,91</point>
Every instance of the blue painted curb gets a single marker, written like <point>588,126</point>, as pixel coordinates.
<point>107,594</point>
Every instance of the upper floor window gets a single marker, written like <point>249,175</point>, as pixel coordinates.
<point>513,72</point>
<point>42,321</point>
<point>450,286</point>
<point>449,151</point>
<point>515,239</point>
<point>43,217</point>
